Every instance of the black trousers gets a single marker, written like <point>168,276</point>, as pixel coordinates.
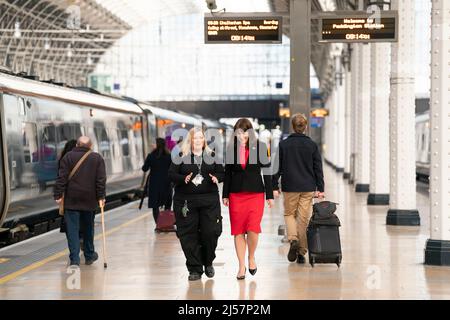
<point>199,231</point>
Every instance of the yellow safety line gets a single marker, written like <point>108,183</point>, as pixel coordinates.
<point>62,253</point>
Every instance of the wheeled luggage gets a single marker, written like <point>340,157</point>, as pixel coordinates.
<point>324,243</point>
<point>166,221</point>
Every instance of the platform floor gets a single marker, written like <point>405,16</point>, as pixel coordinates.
<point>379,261</point>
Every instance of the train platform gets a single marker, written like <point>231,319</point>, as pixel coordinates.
<point>379,261</point>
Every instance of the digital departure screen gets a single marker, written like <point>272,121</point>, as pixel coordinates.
<point>359,28</point>
<point>243,29</point>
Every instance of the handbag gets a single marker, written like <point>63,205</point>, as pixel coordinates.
<point>72,173</point>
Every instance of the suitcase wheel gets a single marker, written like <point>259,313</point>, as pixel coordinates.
<point>312,261</point>
<point>338,262</point>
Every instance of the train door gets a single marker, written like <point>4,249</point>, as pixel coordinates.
<point>4,185</point>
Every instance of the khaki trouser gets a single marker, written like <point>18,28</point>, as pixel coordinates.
<point>297,212</point>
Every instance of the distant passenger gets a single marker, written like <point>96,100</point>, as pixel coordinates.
<point>197,203</point>
<point>276,137</point>
<point>82,195</point>
<point>300,168</point>
<point>243,191</point>
<point>159,189</point>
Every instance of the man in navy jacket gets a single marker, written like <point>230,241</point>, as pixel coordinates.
<point>300,169</point>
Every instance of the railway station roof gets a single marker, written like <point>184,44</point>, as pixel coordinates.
<point>65,39</point>
<point>56,39</point>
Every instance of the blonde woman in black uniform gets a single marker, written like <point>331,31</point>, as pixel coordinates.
<point>197,203</point>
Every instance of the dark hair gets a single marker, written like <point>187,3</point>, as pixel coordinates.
<point>67,148</point>
<point>245,125</point>
<point>299,123</point>
<point>161,147</point>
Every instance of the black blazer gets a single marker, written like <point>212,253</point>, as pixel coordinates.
<point>248,180</point>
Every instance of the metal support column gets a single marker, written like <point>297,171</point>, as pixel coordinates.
<point>402,121</point>
<point>340,116</point>
<point>437,251</point>
<point>363,122</point>
<point>348,119</point>
<point>300,35</point>
<point>379,127</point>
<point>354,109</point>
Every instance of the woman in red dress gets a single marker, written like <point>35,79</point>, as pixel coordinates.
<point>244,191</point>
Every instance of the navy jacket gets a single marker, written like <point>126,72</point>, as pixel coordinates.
<point>300,165</point>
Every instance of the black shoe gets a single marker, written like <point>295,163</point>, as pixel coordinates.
<point>194,276</point>
<point>301,259</point>
<point>292,255</point>
<point>242,277</point>
<point>209,271</point>
<point>93,259</point>
<point>252,271</point>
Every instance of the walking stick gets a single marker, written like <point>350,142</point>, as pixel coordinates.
<point>105,264</point>
<point>144,193</point>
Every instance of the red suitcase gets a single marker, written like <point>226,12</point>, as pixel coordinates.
<point>166,221</point>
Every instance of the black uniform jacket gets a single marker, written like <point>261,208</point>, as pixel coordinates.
<point>178,173</point>
<point>251,178</point>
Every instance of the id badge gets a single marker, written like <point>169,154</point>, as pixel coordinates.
<point>197,180</point>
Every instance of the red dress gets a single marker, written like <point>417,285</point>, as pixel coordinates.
<point>246,208</point>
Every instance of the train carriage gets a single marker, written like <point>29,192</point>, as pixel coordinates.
<point>37,119</point>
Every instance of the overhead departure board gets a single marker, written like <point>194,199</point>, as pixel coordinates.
<point>360,27</point>
<point>243,28</point>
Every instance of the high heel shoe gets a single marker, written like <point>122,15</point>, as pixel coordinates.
<point>252,271</point>
<point>242,277</point>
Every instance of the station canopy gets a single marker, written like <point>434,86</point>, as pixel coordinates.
<point>63,40</point>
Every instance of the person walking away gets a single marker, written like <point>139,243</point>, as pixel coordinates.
<point>67,148</point>
<point>197,203</point>
<point>82,195</point>
<point>243,191</point>
<point>300,169</point>
<point>159,189</point>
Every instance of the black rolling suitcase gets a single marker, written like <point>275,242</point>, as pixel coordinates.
<point>324,243</point>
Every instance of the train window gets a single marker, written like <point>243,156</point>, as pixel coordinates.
<point>124,140</point>
<point>48,143</point>
<point>104,146</point>
<point>69,131</point>
<point>30,142</point>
